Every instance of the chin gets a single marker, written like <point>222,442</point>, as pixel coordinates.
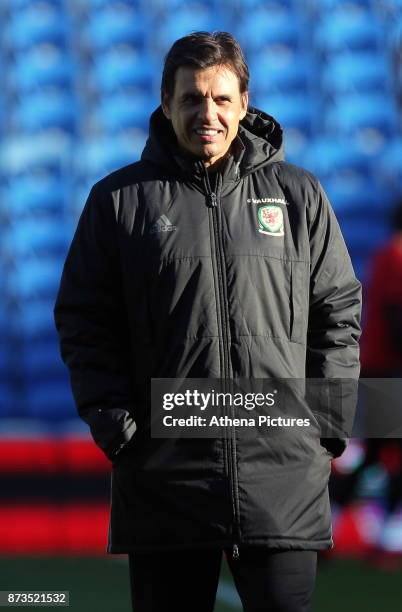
<point>208,154</point>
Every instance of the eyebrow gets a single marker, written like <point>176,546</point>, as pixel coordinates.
<point>196,94</point>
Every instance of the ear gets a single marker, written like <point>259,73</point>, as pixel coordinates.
<point>244,104</point>
<point>165,105</point>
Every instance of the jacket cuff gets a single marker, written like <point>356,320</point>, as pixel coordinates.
<point>335,446</point>
<point>111,428</point>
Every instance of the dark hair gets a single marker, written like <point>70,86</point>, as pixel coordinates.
<point>202,50</point>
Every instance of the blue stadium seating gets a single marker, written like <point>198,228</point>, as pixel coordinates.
<point>33,321</point>
<point>280,70</point>
<point>353,194</point>
<point>324,6</point>
<point>41,67</point>
<point>329,156</point>
<point>7,400</point>
<point>3,346</point>
<point>49,400</point>
<point>356,112</point>
<point>43,111</point>
<point>35,237</point>
<point>75,104</point>
<point>270,5</point>
<point>357,72</point>
<point>91,7</point>
<point>261,28</point>
<point>162,8</point>
<point>389,166</point>
<point>99,156</point>
<point>111,26</point>
<point>122,112</point>
<point>292,111</point>
<point>38,24</point>
<point>115,70</point>
<point>363,238</point>
<point>347,29</point>
<point>40,358</point>
<point>34,279</point>
<point>390,7</point>
<point>25,154</point>
<point>33,195</point>
<point>16,6</point>
<point>178,24</point>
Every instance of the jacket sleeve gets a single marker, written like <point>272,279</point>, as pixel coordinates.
<point>90,319</point>
<point>333,328</point>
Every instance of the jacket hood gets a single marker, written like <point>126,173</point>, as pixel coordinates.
<point>259,141</point>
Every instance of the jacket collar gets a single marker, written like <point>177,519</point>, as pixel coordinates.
<point>258,142</point>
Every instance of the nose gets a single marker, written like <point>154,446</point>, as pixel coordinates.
<point>207,111</point>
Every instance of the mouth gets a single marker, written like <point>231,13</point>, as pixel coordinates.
<point>207,134</point>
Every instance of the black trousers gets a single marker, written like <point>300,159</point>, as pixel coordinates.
<point>267,581</point>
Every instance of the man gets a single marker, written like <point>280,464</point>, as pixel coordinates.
<point>209,258</point>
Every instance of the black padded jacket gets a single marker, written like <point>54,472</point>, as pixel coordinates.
<point>170,276</point>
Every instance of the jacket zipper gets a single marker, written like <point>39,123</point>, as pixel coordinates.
<point>223,315</point>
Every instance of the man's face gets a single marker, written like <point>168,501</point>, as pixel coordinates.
<point>205,110</point>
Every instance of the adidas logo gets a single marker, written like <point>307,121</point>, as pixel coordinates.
<point>163,225</point>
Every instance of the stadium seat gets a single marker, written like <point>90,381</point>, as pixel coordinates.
<point>32,195</point>
<point>35,237</point>
<point>349,29</point>
<point>99,156</point>
<point>115,25</point>
<point>364,234</point>
<point>7,400</point>
<point>295,146</point>
<point>15,6</point>
<point>324,6</point>
<point>26,154</point>
<point>280,70</point>
<point>161,8</point>
<point>179,24</point>
<point>356,112</point>
<point>45,111</point>
<point>391,8</point>
<point>39,23</point>
<point>351,193</point>
<point>51,400</point>
<point>33,320</point>
<point>389,166</point>
<point>252,5</point>
<point>328,156</point>
<point>89,7</point>
<point>292,111</point>
<point>34,279</point>
<point>356,73</point>
<point>122,112</point>
<point>40,359</point>
<point>116,70</point>
<point>262,28</point>
<point>40,67</point>
<point>3,346</point>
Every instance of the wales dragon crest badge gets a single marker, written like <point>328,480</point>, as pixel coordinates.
<point>270,220</point>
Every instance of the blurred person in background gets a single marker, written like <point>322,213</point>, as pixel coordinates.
<point>209,258</point>
<point>382,334</point>
<point>381,345</point>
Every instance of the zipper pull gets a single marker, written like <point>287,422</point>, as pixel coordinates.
<point>212,200</point>
<point>235,554</point>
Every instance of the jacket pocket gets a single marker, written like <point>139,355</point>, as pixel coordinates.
<point>299,291</point>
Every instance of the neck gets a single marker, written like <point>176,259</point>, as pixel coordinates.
<point>218,164</point>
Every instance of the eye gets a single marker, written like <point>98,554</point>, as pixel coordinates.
<point>190,99</point>
<point>222,99</point>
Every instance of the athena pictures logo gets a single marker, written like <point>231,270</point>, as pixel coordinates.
<point>270,220</point>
